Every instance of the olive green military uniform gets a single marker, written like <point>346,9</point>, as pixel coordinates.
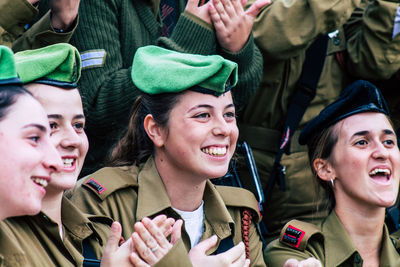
<point>128,194</point>
<point>15,14</point>
<point>11,253</point>
<point>329,243</point>
<point>283,31</point>
<point>39,243</point>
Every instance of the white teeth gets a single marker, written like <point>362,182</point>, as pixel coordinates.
<point>382,171</point>
<point>39,181</point>
<point>215,151</point>
<point>68,162</point>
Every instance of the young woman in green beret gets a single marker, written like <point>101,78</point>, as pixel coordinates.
<point>28,157</point>
<point>182,132</point>
<point>60,233</point>
<point>354,154</point>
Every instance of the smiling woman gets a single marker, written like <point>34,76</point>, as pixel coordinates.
<point>28,158</point>
<point>182,132</point>
<point>354,154</point>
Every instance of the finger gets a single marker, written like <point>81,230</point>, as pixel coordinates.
<point>310,262</point>
<point>229,8</point>
<point>236,252</point>
<point>176,231</point>
<point>256,7</point>
<point>114,237</point>
<point>219,7</point>
<point>143,250</point>
<point>216,19</point>
<point>145,235</point>
<point>247,263</point>
<point>156,234</point>
<point>291,263</point>
<point>239,262</point>
<point>165,224</point>
<point>137,261</point>
<point>207,244</point>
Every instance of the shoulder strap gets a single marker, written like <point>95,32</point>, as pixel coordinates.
<point>306,88</point>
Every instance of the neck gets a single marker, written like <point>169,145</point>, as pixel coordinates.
<point>51,205</point>
<point>365,228</point>
<point>184,192</point>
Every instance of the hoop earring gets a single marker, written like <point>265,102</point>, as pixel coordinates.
<point>333,183</point>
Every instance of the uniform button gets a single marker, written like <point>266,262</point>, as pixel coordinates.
<point>336,41</point>
<point>357,259</point>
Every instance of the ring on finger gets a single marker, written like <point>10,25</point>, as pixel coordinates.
<point>154,249</point>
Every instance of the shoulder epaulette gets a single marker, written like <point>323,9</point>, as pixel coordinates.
<point>296,234</point>
<point>107,180</point>
<point>239,197</point>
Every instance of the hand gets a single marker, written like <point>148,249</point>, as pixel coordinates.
<point>150,242</point>
<point>310,262</point>
<point>33,2</point>
<point>63,13</point>
<point>113,254</point>
<point>193,7</point>
<point>235,256</point>
<point>232,24</point>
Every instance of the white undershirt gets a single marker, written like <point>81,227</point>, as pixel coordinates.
<point>193,223</point>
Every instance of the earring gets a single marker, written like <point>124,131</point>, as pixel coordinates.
<point>333,183</point>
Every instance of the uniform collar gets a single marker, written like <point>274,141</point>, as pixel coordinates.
<point>153,198</point>
<point>74,221</point>
<point>341,247</point>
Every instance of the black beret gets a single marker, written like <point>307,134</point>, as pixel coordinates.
<point>360,96</point>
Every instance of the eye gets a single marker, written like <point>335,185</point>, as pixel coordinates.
<point>361,143</point>
<point>203,115</point>
<point>389,143</point>
<point>79,127</point>
<point>34,138</point>
<point>230,115</point>
<point>53,125</point>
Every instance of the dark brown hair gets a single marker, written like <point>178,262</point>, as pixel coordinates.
<point>135,146</point>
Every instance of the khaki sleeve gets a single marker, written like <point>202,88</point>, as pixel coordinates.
<point>285,28</point>
<point>177,257</point>
<point>15,14</point>
<point>373,51</point>
<point>276,253</point>
<point>42,34</point>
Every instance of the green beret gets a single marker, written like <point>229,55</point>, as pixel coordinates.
<point>8,73</point>
<point>57,65</point>
<point>157,70</point>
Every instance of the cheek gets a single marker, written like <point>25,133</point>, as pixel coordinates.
<point>84,147</point>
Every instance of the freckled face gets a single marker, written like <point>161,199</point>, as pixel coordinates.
<point>366,161</point>
<point>65,112</point>
<point>201,136</point>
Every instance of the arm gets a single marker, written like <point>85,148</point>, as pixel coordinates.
<point>372,53</point>
<point>285,28</point>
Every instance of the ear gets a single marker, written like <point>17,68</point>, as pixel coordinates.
<point>324,169</point>
<point>153,130</point>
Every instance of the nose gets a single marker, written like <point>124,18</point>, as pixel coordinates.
<point>381,152</point>
<point>221,127</point>
<point>70,138</point>
<point>52,159</point>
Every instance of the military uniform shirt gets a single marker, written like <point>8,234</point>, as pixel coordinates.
<point>128,194</point>
<point>39,238</point>
<point>329,243</point>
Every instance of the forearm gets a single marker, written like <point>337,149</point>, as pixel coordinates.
<point>285,28</point>
<point>373,50</point>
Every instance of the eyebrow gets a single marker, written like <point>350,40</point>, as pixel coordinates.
<point>362,133</point>
<point>59,117</point>
<point>209,106</point>
<point>35,125</point>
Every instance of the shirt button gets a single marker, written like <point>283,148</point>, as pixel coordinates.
<point>357,259</point>
<point>336,41</point>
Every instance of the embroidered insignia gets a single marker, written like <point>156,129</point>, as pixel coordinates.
<point>292,236</point>
<point>95,185</point>
<point>93,58</point>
